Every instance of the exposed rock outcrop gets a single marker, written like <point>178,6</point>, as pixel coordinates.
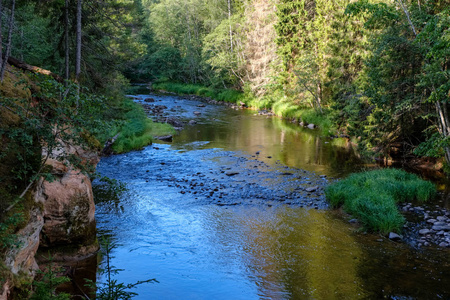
<point>61,221</point>
<point>68,208</point>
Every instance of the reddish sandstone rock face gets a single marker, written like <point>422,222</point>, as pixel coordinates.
<point>68,208</point>
<point>62,221</point>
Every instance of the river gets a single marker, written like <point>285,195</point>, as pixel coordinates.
<point>234,208</point>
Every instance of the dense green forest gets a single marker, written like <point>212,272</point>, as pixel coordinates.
<point>375,70</point>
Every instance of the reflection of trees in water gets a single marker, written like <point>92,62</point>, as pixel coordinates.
<point>299,254</point>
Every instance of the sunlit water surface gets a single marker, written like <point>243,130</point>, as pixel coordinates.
<point>242,245</point>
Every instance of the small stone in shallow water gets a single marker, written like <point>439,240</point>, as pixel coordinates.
<point>438,228</point>
<point>442,218</point>
<point>440,223</point>
<point>231,173</point>
<point>395,237</point>
<point>311,189</point>
<point>424,231</point>
<point>443,244</point>
<point>432,221</point>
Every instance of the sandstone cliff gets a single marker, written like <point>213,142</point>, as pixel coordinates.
<point>61,222</point>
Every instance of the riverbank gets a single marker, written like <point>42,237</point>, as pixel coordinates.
<point>304,117</point>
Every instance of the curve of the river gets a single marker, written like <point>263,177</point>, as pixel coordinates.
<point>234,208</point>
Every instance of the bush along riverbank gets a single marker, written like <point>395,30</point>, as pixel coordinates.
<point>373,197</point>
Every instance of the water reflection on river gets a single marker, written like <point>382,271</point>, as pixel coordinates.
<point>199,250</point>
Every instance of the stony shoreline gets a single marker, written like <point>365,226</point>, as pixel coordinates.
<point>431,227</point>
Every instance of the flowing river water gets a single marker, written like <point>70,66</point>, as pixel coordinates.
<point>234,208</point>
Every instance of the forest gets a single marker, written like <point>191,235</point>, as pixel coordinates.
<point>376,71</point>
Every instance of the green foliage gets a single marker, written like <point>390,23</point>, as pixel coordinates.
<point>372,196</point>
<point>134,128</point>
<point>59,117</point>
<point>111,289</point>
<point>8,226</point>
<point>226,95</point>
<point>50,280</point>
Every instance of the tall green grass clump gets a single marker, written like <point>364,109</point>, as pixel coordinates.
<point>135,129</point>
<point>372,196</point>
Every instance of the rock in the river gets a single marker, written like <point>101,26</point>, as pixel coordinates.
<point>197,113</point>
<point>149,100</point>
<point>312,189</point>
<point>192,122</point>
<point>174,122</point>
<point>166,138</point>
<point>424,231</point>
<point>395,237</point>
<point>231,173</point>
<point>438,227</point>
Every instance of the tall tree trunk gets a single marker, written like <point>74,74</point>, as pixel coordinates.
<point>405,10</point>
<point>78,53</point>
<point>8,45</point>
<point>1,36</point>
<point>444,125</point>
<point>66,41</point>
<point>229,22</point>
<point>319,97</point>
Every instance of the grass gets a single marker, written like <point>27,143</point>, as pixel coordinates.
<point>372,197</point>
<point>135,129</point>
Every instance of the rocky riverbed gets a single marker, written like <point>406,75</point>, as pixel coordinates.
<point>427,226</point>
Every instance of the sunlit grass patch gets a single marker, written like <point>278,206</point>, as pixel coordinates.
<point>137,134</point>
<point>134,129</point>
<point>372,196</point>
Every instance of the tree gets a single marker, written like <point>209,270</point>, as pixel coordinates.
<point>66,41</point>
<point>9,41</point>
<point>78,43</point>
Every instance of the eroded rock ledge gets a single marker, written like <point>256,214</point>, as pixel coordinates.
<point>62,222</point>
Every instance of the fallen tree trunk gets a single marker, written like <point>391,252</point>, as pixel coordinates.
<point>24,66</point>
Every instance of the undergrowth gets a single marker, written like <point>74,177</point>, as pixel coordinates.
<point>372,197</point>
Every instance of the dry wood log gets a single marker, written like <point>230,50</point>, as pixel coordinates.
<point>24,66</point>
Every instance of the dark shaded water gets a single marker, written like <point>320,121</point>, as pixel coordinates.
<point>209,218</point>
